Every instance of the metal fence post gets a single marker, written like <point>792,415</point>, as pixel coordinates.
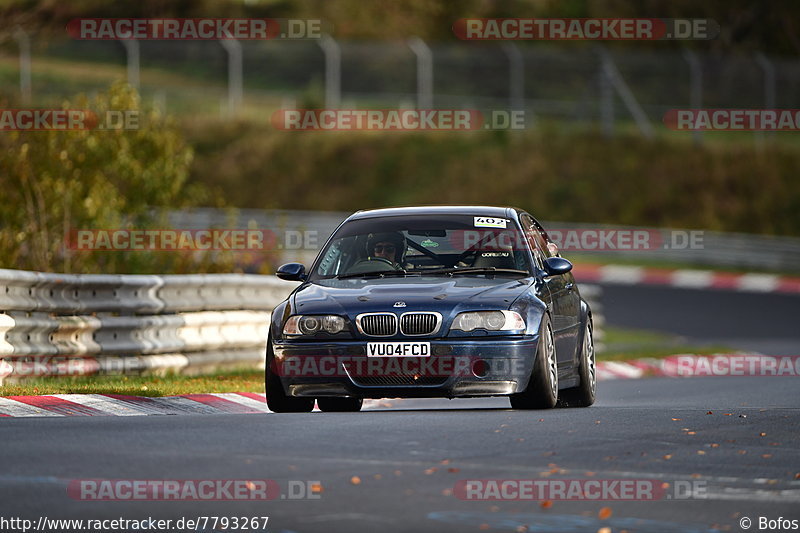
<point>235,85</point>
<point>696,87</point>
<point>424,72</point>
<point>615,79</point>
<point>606,101</point>
<point>24,43</point>
<point>769,81</point>
<point>516,71</point>
<point>333,71</point>
<point>132,53</point>
<point>516,78</point>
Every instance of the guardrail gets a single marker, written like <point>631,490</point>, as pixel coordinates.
<point>715,250</point>
<point>53,324</point>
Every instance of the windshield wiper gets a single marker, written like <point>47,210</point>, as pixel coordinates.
<point>379,273</point>
<point>479,270</point>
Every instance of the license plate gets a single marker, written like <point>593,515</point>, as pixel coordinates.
<point>398,349</point>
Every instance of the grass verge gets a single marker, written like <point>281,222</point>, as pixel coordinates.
<point>167,385</point>
<point>624,344</point>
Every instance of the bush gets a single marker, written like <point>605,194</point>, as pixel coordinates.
<point>57,181</point>
<point>733,185</point>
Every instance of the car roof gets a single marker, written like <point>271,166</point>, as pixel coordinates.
<point>472,210</point>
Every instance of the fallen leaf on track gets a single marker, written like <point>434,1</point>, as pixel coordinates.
<point>355,480</point>
<point>546,504</point>
<point>605,513</point>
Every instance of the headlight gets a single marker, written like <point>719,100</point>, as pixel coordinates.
<point>489,320</point>
<point>312,324</point>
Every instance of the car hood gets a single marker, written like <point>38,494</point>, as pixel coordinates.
<point>443,294</point>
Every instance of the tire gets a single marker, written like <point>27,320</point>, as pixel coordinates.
<point>277,400</point>
<point>584,394</point>
<point>542,389</point>
<point>339,405</point>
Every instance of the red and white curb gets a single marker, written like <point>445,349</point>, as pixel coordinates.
<point>56,405</point>
<point>687,279</point>
<point>683,365</point>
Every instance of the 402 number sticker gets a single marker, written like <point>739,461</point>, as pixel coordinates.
<point>489,222</point>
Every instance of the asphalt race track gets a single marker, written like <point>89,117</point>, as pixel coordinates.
<point>409,455</point>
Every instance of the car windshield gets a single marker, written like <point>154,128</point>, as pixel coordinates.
<point>424,244</point>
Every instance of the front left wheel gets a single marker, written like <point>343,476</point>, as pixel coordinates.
<point>584,394</point>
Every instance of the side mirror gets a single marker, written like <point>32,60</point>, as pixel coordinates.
<point>555,266</point>
<point>292,272</point>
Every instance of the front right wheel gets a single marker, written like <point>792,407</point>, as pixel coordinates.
<point>542,389</point>
<point>339,405</point>
<point>277,399</point>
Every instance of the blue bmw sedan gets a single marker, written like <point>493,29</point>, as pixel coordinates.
<point>448,301</point>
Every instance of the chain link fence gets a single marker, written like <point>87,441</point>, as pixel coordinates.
<point>583,83</point>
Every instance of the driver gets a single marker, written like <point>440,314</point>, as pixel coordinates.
<point>390,246</point>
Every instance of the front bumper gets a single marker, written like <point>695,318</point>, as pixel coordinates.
<point>456,368</point>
